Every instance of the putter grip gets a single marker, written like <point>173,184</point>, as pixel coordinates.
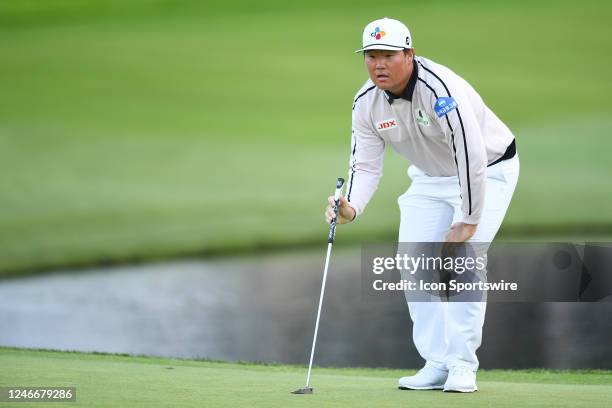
<point>339,185</point>
<point>332,226</point>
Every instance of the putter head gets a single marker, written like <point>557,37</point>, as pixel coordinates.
<point>305,390</point>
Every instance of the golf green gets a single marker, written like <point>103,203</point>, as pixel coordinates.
<point>118,380</point>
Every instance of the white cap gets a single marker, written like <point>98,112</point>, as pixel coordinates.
<point>386,34</point>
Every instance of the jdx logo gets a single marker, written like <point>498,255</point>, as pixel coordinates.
<point>386,124</point>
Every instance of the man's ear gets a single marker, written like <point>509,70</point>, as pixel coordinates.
<point>409,54</point>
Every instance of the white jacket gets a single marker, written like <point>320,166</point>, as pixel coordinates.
<point>440,124</point>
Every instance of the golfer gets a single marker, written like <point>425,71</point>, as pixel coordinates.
<point>464,169</point>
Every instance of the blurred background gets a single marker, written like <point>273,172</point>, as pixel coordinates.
<point>147,130</point>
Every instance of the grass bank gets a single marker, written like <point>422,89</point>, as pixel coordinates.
<point>135,130</point>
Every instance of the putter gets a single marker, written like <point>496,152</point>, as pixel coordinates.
<point>307,389</point>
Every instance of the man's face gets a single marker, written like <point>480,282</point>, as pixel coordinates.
<point>389,70</point>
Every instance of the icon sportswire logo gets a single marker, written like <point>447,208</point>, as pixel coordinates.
<point>378,33</point>
<point>386,124</point>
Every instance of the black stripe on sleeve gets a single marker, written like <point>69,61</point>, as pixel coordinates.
<point>348,197</point>
<point>452,133</point>
<point>361,94</point>
<point>467,160</point>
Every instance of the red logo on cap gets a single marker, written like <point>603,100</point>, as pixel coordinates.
<point>378,33</point>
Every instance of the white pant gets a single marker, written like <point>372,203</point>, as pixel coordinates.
<point>449,333</point>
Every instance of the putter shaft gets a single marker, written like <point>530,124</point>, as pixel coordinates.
<point>330,241</point>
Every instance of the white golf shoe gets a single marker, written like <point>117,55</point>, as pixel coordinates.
<point>461,379</point>
<point>428,378</point>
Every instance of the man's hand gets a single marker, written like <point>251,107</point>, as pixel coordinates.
<point>346,213</point>
<point>461,232</point>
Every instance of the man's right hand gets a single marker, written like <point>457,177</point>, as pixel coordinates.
<point>346,213</point>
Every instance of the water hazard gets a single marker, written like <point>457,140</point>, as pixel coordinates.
<point>262,308</point>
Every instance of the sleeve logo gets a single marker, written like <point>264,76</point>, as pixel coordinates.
<point>444,105</point>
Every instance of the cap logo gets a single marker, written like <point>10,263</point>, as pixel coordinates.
<point>378,33</point>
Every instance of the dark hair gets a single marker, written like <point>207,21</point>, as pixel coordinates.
<point>403,49</point>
